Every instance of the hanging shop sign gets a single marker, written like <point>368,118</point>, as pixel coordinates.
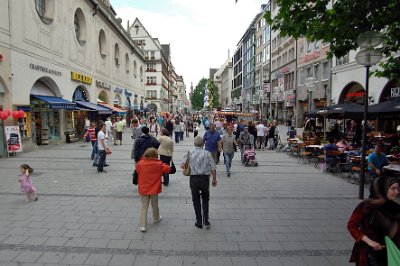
<point>45,70</point>
<point>118,90</point>
<point>80,77</point>
<point>102,84</point>
<point>13,138</point>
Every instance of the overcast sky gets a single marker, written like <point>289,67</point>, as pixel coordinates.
<point>200,31</point>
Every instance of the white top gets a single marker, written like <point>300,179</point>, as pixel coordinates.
<point>87,123</point>
<point>100,136</point>
<point>108,125</point>
<point>260,130</point>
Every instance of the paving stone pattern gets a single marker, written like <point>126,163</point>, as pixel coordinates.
<point>280,213</point>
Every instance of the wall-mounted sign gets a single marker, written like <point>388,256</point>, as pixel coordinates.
<point>118,90</point>
<point>355,94</point>
<point>13,138</point>
<point>80,77</point>
<point>103,85</point>
<point>45,70</point>
<point>395,92</point>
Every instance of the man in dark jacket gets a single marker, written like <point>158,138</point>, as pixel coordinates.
<point>170,127</point>
<point>144,142</point>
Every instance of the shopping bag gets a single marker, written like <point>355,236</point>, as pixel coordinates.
<point>135,177</point>
<point>186,166</point>
<point>173,168</point>
<point>393,252</point>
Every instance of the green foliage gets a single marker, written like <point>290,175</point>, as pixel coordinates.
<point>340,25</point>
<point>213,94</point>
<point>197,99</point>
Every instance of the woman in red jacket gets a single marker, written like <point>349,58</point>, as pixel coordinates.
<point>150,170</point>
<point>372,220</point>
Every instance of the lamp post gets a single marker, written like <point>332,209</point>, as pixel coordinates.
<point>367,57</point>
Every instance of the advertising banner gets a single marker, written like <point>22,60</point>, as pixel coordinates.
<point>13,138</point>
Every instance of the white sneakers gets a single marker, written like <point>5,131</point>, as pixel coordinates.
<point>143,229</point>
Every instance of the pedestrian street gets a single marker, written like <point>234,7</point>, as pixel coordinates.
<point>279,213</point>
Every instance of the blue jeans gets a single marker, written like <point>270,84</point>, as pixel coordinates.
<point>102,159</point>
<point>177,137</point>
<point>181,135</point>
<point>94,148</point>
<point>228,161</point>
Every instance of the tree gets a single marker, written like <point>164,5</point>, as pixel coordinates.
<point>197,99</point>
<point>340,25</point>
<point>213,94</point>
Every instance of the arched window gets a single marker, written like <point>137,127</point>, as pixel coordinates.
<point>116,54</point>
<point>134,69</point>
<point>45,10</point>
<point>80,26</point>
<point>127,63</point>
<point>102,44</point>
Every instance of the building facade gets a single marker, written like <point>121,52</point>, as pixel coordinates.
<point>69,60</point>
<point>223,80</point>
<point>237,84</point>
<point>313,77</point>
<point>158,71</point>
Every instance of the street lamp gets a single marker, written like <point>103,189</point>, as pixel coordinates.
<point>367,57</point>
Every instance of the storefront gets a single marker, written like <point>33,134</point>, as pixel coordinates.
<point>352,93</point>
<point>2,140</point>
<point>47,114</point>
<point>79,115</point>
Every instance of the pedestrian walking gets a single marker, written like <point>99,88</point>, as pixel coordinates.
<point>144,142</point>
<point>212,140</point>
<point>91,132</point>
<point>202,165</point>
<point>119,128</point>
<point>170,127</point>
<point>246,142</point>
<point>26,184</point>
<point>102,148</point>
<point>177,130</point>
<point>195,129</point>
<point>150,170</point>
<point>109,129</point>
<point>154,128</point>
<point>165,150</point>
<point>372,220</point>
<point>136,133</point>
<point>183,128</point>
<point>260,135</point>
<point>228,146</point>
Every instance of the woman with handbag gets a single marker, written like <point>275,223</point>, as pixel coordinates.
<point>149,170</point>
<point>372,220</point>
<point>165,150</point>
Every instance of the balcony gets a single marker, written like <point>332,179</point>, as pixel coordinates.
<point>151,70</point>
<point>151,98</point>
<point>151,83</point>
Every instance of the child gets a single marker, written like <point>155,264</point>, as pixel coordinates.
<point>26,183</point>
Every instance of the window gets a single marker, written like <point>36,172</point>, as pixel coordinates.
<point>291,54</point>
<point>127,63</point>
<point>325,70</point>
<point>267,35</point>
<point>284,58</point>
<point>278,63</point>
<point>102,44</point>
<point>134,69</point>
<point>152,80</point>
<point>152,94</point>
<point>316,72</point>
<point>80,26</point>
<point>116,54</point>
<point>301,50</point>
<point>308,47</point>
<point>45,10</point>
<point>141,73</point>
<point>274,44</point>
<point>309,73</point>
<point>301,76</point>
<point>153,55</point>
<point>316,45</point>
<point>151,67</point>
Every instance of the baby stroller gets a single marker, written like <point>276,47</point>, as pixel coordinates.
<point>249,158</point>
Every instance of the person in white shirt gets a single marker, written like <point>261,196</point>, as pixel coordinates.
<point>260,135</point>
<point>102,146</point>
<point>109,134</point>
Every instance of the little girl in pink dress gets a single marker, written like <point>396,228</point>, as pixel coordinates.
<point>26,183</point>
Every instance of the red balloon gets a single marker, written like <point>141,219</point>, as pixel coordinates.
<point>21,113</point>
<point>1,114</point>
<point>15,114</point>
<point>8,113</point>
<point>4,116</point>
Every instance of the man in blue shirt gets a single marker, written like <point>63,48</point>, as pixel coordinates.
<point>212,141</point>
<point>376,161</point>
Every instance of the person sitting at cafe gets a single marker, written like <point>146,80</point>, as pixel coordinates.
<point>396,149</point>
<point>376,161</point>
<point>331,146</point>
<point>344,145</point>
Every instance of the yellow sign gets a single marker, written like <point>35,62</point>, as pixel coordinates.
<point>80,77</point>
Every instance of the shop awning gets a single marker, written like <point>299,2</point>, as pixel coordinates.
<point>94,107</point>
<point>113,108</point>
<point>55,102</point>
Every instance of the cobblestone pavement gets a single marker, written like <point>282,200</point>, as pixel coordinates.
<point>280,213</point>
